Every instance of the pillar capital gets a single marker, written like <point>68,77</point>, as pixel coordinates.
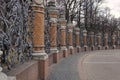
<point>99,34</point>
<point>91,33</point>
<point>38,2</point>
<point>106,35</point>
<point>70,25</point>
<point>77,31</point>
<point>51,3</point>
<point>62,21</point>
<point>113,36</point>
<point>52,12</point>
<point>38,6</point>
<point>84,32</point>
<point>63,27</point>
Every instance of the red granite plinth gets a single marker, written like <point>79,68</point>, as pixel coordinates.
<point>60,54</point>
<point>50,59</point>
<point>75,50</point>
<point>43,69</point>
<point>26,71</point>
<point>92,48</point>
<point>55,57</point>
<point>65,53</point>
<point>78,49</point>
<point>86,48</point>
<point>100,48</point>
<point>71,51</point>
<point>106,47</point>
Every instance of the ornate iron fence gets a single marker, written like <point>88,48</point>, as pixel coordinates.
<point>47,31</point>
<point>16,32</point>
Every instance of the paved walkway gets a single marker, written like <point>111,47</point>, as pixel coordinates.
<point>96,65</point>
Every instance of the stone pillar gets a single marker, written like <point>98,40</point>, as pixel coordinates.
<point>106,41</point>
<point>38,39</point>
<point>53,15</point>
<point>99,41</point>
<point>77,40</point>
<point>70,37</point>
<point>113,41</point>
<point>62,22</point>
<point>118,38</point>
<point>85,40</point>
<point>92,40</point>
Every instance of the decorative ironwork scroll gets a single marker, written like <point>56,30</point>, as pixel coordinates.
<point>16,40</point>
<point>47,31</point>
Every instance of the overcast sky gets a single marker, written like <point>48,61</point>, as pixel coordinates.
<point>114,5</point>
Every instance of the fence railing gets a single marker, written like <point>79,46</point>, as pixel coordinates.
<point>24,34</point>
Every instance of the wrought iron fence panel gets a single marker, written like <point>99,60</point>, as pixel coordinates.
<point>109,40</point>
<point>47,31</point>
<point>67,43</point>
<point>102,40</point>
<point>14,17</point>
<point>81,38</point>
<point>88,40</point>
<point>95,40</point>
<point>58,37</point>
<point>74,37</point>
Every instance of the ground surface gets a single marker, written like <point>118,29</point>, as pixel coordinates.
<point>96,65</point>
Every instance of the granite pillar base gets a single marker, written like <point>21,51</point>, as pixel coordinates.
<point>113,47</point>
<point>106,47</point>
<point>92,48</point>
<point>99,47</point>
<point>78,49</point>
<point>27,71</point>
<point>43,63</point>
<point>71,50</point>
<point>85,48</point>
<point>55,54</point>
<point>55,57</point>
<point>43,69</point>
<point>65,53</point>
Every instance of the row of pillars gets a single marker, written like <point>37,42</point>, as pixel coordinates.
<point>54,19</point>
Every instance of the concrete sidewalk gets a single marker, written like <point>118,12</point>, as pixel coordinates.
<point>96,65</point>
<point>101,65</point>
<point>66,69</point>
